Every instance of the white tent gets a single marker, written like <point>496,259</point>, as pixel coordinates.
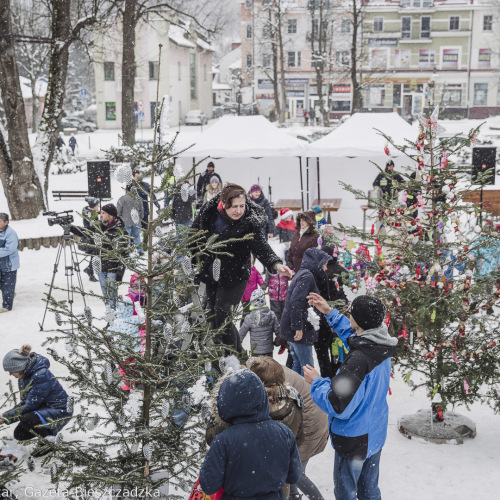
<point>235,142</point>
<point>351,154</point>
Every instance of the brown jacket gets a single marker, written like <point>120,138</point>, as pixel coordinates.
<point>315,421</point>
<point>299,244</point>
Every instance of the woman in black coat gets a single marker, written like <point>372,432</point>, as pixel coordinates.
<point>231,216</point>
<point>258,197</point>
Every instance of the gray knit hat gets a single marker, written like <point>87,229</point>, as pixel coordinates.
<point>257,299</point>
<point>17,359</point>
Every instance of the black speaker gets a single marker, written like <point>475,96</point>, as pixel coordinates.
<point>483,162</point>
<point>99,179</point>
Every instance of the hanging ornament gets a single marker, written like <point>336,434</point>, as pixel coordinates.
<point>388,319</point>
<point>158,231</point>
<point>216,267</point>
<point>187,267</point>
<point>147,451</point>
<point>208,366</point>
<point>320,241</point>
<point>466,387</point>
<point>433,316</point>
<point>108,371</point>
<point>70,404</point>
<point>165,407</point>
<point>58,318</point>
<point>87,312</point>
<point>386,150</point>
<point>444,160</point>
<point>185,328</point>
<point>53,472</point>
<point>134,215</point>
<point>59,439</point>
<point>445,189</point>
<point>335,251</point>
<point>185,192</point>
<point>124,174</point>
<point>31,464</point>
<point>167,332</point>
<point>176,299</point>
<point>373,230</point>
<point>98,239</point>
<point>96,265</point>
<point>344,242</point>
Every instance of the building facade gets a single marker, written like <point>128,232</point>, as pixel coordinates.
<point>185,72</point>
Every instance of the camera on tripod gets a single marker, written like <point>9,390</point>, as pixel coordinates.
<point>63,218</point>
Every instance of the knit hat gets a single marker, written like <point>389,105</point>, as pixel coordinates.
<point>317,209</point>
<point>211,164</point>
<point>214,179</point>
<point>389,163</point>
<point>91,201</point>
<point>254,188</point>
<point>17,359</point>
<point>368,311</point>
<point>257,299</point>
<point>110,209</point>
<point>284,213</point>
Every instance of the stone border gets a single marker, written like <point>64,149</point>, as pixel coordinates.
<point>37,243</point>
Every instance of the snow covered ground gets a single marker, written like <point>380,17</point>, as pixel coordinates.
<point>410,470</point>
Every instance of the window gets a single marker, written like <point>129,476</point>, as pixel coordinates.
<point>316,29</point>
<point>454,23</point>
<point>484,59</point>
<point>378,24</point>
<point>248,4</point>
<point>378,58</point>
<point>342,57</point>
<point>402,58</point>
<point>426,58</point>
<point>417,3</point>
<point>498,95</point>
<point>396,95</point>
<point>266,31</point>
<point>266,2</point>
<point>249,60</point>
<point>427,3</point>
<point>179,71</point>
<point>339,106</point>
<point>294,59</point>
<point>292,26</point>
<point>267,61</point>
<point>376,95</point>
<point>425,27</point>
<point>249,31</point>
<point>452,95</point>
<point>345,25</point>
<point>449,60</point>
<point>109,71</point>
<point>111,111</point>
<point>487,23</point>
<point>480,94</point>
<point>405,3</point>
<point>153,70</point>
<point>406,27</point>
<point>192,75</point>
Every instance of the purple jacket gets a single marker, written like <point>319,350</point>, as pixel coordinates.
<point>253,282</point>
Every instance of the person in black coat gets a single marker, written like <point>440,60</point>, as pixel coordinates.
<point>143,190</point>
<point>295,326</point>
<point>90,215</point>
<point>231,216</point>
<point>256,456</point>
<point>204,181</point>
<point>258,197</point>
<point>388,181</point>
<point>182,209</point>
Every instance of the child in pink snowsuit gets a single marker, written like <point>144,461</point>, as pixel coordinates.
<point>253,283</point>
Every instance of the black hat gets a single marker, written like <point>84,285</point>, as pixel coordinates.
<point>110,209</point>
<point>390,163</point>
<point>211,164</point>
<point>368,311</point>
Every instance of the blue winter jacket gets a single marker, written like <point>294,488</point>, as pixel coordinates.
<point>41,393</point>
<point>303,283</point>
<point>355,398</point>
<point>256,456</point>
<point>9,254</point>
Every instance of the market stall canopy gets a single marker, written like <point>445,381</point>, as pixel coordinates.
<point>241,137</point>
<point>359,137</point>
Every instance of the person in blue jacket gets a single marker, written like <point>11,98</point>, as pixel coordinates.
<point>295,326</point>
<point>256,456</point>
<point>9,263</point>
<point>318,216</point>
<point>355,398</point>
<point>43,406</point>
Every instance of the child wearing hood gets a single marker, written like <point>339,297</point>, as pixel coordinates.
<point>318,216</point>
<point>256,456</point>
<point>262,325</point>
<point>355,398</point>
<point>296,326</point>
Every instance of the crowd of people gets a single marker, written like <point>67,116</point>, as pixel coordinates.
<point>283,414</point>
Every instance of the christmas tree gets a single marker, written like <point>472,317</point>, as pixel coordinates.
<point>427,262</point>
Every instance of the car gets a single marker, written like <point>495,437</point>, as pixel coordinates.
<point>196,117</point>
<point>79,123</point>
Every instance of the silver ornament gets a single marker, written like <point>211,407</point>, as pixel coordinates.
<point>187,267</point>
<point>98,239</point>
<point>165,408</point>
<point>70,404</point>
<point>147,451</point>
<point>167,332</point>
<point>205,412</point>
<point>96,266</point>
<point>158,231</point>
<point>208,366</point>
<point>31,464</point>
<point>108,371</point>
<point>185,193</point>
<point>185,328</point>
<point>58,318</point>
<point>53,472</point>
<point>216,269</point>
<point>176,299</point>
<point>87,312</point>
<point>134,215</point>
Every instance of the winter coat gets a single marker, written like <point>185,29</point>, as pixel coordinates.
<point>263,202</point>
<point>60,143</point>
<point>314,420</point>
<point>296,307</point>
<point>125,205</point>
<point>256,456</point>
<point>299,243</point>
<point>277,286</point>
<point>320,223</point>
<point>235,268</point>
<point>89,217</point>
<point>125,326</point>
<point>335,284</point>
<point>211,193</point>
<point>143,190</point>
<point>253,282</point>
<point>41,393</point>
<point>387,182</point>
<point>182,211</point>
<point>487,254</point>
<point>355,399</point>
<point>111,233</point>
<point>204,181</point>
<point>9,253</point>
<point>72,142</point>
<point>262,324</point>
<point>286,230</point>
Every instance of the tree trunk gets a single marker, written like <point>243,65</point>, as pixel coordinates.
<point>282,64</point>
<point>17,172</point>
<point>277,104</point>
<point>128,72</point>
<point>356,91</point>
<point>56,89</point>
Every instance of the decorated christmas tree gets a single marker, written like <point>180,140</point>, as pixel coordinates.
<point>436,268</point>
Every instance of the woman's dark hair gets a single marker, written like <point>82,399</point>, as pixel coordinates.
<point>329,250</point>
<point>231,191</point>
<point>308,217</point>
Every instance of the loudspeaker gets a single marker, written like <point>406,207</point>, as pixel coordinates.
<point>483,162</point>
<point>99,179</point>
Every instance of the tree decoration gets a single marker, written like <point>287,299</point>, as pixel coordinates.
<point>108,371</point>
<point>165,408</point>
<point>124,174</point>
<point>147,451</point>
<point>96,265</point>
<point>134,215</point>
<point>58,319</point>
<point>185,192</point>
<point>87,312</point>
<point>31,464</point>
<point>216,269</point>
<point>187,267</point>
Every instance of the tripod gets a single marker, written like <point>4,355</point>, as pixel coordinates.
<point>67,249</point>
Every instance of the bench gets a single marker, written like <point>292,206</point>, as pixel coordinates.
<point>491,199</point>
<point>69,194</point>
<point>295,205</point>
<point>328,205</point>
